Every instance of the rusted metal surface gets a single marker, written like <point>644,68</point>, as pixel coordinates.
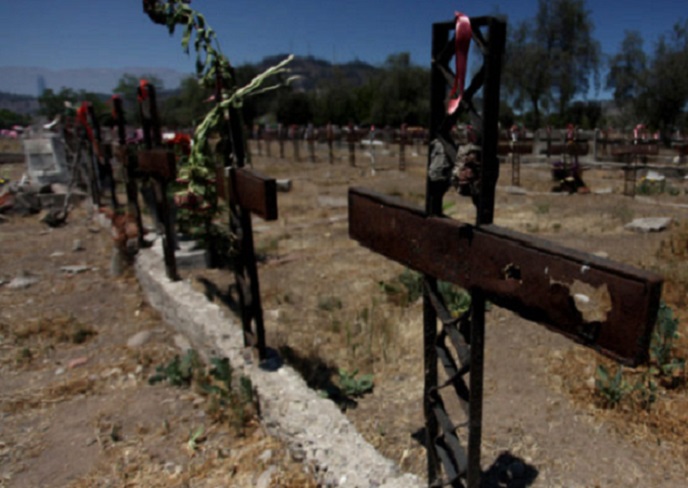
<point>572,149</point>
<point>160,165</point>
<point>635,150</point>
<point>157,162</point>
<point>128,163</point>
<point>251,190</point>
<point>517,148</point>
<point>608,306</point>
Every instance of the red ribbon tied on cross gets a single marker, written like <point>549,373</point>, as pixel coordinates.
<point>462,41</point>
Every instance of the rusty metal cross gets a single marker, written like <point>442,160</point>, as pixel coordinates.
<point>246,192</point>
<point>608,306</point>
<point>159,165</point>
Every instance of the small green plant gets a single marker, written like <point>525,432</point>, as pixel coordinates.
<point>457,300</point>
<point>542,208</point>
<point>650,187</point>
<point>413,282</point>
<point>662,345</point>
<point>224,401</point>
<point>179,371</point>
<point>329,303</point>
<point>352,386</point>
<point>612,387</point>
<point>195,437</point>
<point>410,282</point>
<point>665,368</point>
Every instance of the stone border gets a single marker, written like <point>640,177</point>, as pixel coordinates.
<point>313,428</point>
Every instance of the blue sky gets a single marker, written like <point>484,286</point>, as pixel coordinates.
<point>59,34</point>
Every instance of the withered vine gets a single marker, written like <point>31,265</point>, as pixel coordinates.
<point>197,172</point>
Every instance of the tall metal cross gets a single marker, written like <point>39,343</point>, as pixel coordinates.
<point>158,164</point>
<point>246,192</point>
<point>608,306</point>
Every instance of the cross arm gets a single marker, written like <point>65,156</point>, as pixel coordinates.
<point>608,306</point>
<point>157,162</point>
<point>251,190</point>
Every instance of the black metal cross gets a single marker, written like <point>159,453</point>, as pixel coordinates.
<point>246,192</point>
<point>159,165</point>
<point>608,306</point>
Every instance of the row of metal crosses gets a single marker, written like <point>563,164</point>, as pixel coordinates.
<point>608,306</point>
<point>245,191</point>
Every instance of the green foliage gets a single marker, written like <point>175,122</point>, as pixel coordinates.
<point>197,191</point>
<point>52,104</point>
<point>352,386</point>
<point>664,368</point>
<point>179,371</point>
<point>612,387</point>
<point>9,119</point>
<point>187,107</point>
<point>457,300</point>
<point>627,69</point>
<point>413,282</point>
<point>551,57</point>
<point>410,285</point>
<point>662,344</point>
<point>224,401</point>
<point>650,187</point>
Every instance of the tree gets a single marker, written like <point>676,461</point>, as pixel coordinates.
<point>665,96</point>
<point>564,29</point>
<point>9,119</point>
<point>526,78</point>
<point>627,69</point>
<point>397,94</point>
<point>188,106</point>
<point>52,104</point>
<point>294,108</point>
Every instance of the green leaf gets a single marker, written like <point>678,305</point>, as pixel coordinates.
<point>186,38</point>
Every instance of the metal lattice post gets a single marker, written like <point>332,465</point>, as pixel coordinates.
<point>240,225</point>
<point>456,464</point>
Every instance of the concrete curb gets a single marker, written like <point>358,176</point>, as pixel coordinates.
<point>313,428</point>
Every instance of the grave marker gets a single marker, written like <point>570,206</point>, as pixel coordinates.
<point>159,165</point>
<point>128,165</point>
<point>246,192</point>
<point>608,306</point>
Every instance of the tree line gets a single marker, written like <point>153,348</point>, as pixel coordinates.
<point>552,62</point>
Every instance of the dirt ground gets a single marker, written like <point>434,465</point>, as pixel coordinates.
<point>76,353</point>
<point>327,307</point>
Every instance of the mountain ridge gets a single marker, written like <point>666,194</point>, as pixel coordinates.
<point>26,80</point>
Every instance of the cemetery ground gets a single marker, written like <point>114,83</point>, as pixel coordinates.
<point>77,407</point>
<point>77,348</point>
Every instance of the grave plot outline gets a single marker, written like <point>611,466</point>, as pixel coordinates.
<point>587,298</point>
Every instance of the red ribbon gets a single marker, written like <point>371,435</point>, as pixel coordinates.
<point>462,41</point>
<point>113,98</point>
<point>143,90</point>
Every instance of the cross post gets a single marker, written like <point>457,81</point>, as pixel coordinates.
<point>607,306</point>
<point>160,166</point>
<point>246,192</point>
<point>128,165</point>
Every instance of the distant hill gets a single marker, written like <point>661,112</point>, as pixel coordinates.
<point>25,80</point>
<point>314,71</point>
<point>20,104</point>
